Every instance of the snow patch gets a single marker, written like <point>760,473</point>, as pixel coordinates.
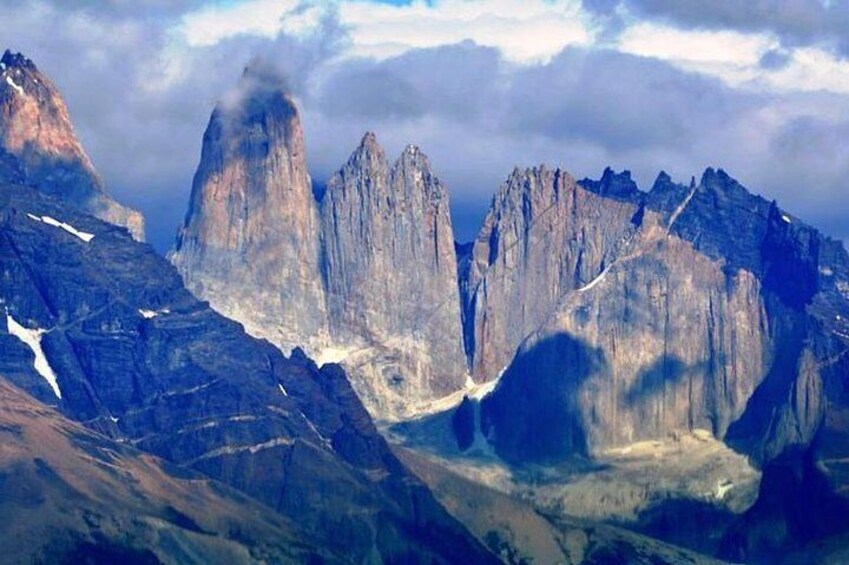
<point>786,219</point>
<point>85,236</point>
<point>324,440</point>
<point>148,314</point>
<point>843,288</point>
<point>283,390</point>
<point>114,419</point>
<point>14,85</point>
<point>680,209</point>
<point>722,488</point>
<point>595,281</point>
<point>32,338</point>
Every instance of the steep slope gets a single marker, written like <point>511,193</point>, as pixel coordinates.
<point>76,495</point>
<point>250,242</point>
<point>390,271</point>
<point>707,310</point>
<point>543,237</point>
<point>103,328</point>
<point>36,131</point>
<point>648,313</point>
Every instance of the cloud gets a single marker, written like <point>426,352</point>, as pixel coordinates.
<point>212,24</point>
<point>476,101</point>
<point>794,22</point>
<point>524,31</point>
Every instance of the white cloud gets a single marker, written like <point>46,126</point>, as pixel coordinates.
<point>735,58</point>
<point>729,55</point>
<point>262,18</point>
<point>811,69</point>
<point>525,31</point>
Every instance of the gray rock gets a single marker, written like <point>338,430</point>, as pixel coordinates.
<point>250,242</point>
<point>711,311</point>
<point>391,277</point>
<point>367,276</point>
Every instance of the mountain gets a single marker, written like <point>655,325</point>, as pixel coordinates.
<point>543,237</point>
<point>102,328</point>
<point>391,276</point>
<point>674,310</point>
<point>250,242</point>
<point>38,142</point>
<point>618,327</point>
<point>367,276</point>
<point>77,496</point>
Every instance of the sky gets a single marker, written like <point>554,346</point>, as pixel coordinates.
<point>759,88</point>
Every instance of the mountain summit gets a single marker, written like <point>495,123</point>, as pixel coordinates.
<point>36,134</point>
<point>366,276</point>
<point>250,242</point>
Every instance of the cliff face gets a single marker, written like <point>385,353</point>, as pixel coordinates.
<point>390,271</point>
<point>102,328</point>
<point>368,276</point>
<point>706,308</point>
<point>36,131</point>
<point>543,237</point>
<point>250,242</point>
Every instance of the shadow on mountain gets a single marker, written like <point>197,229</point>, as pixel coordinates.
<point>653,379</point>
<point>694,524</point>
<point>756,433</point>
<point>534,416</point>
<point>796,507</point>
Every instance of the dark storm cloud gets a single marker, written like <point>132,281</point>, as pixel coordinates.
<point>796,22</point>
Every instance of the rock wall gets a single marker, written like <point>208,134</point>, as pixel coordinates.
<point>391,276</point>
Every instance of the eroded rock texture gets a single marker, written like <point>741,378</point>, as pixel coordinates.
<point>684,308</point>
<point>368,276</point>
<point>250,243</point>
<point>36,132</point>
<point>391,276</point>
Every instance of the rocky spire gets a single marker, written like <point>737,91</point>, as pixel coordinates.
<point>36,130</point>
<point>250,241</point>
<point>391,275</point>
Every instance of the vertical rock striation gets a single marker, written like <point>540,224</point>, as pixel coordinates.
<point>250,241</point>
<point>36,132</point>
<point>702,307</point>
<point>390,271</point>
<point>544,236</point>
<point>367,276</point>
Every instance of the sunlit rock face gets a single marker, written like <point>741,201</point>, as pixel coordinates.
<point>390,271</point>
<point>36,132</point>
<point>367,276</point>
<point>683,308</point>
<point>543,237</point>
<point>250,242</point>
